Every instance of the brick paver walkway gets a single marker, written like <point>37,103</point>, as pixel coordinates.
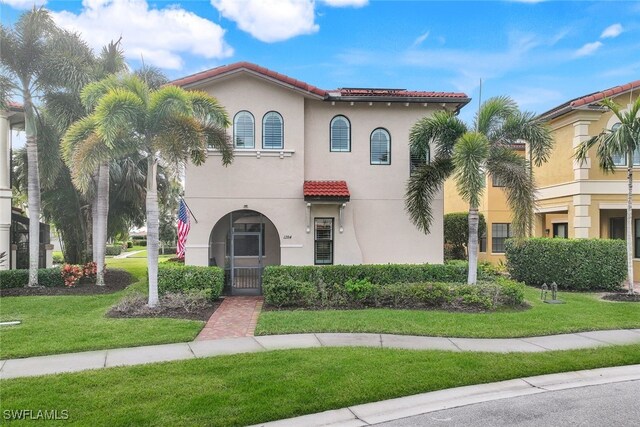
<point>236,317</point>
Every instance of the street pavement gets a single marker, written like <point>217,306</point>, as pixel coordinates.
<point>606,405</point>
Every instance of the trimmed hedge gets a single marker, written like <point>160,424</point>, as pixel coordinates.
<point>380,274</point>
<point>177,278</point>
<point>47,277</point>
<point>113,250</point>
<point>574,264</point>
<point>397,286</point>
<point>289,292</point>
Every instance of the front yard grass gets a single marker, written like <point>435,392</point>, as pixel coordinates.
<point>64,324</point>
<point>252,388</point>
<point>582,312</point>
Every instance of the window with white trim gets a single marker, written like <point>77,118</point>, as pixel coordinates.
<point>323,236</point>
<point>272,131</point>
<point>380,147</point>
<point>621,159</point>
<point>243,130</point>
<point>418,159</point>
<point>340,138</point>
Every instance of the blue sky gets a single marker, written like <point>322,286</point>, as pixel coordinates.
<point>540,53</point>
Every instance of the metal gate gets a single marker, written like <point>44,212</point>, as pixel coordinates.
<point>246,266</point>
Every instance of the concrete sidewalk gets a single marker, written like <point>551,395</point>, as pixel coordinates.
<point>74,362</point>
<point>403,407</point>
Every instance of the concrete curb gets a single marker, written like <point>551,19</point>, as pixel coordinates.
<point>393,409</point>
<point>75,362</point>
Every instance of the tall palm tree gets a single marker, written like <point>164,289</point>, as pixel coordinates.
<point>621,141</point>
<point>37,56</point>
<point>469,155</point>
<point>167,125</point>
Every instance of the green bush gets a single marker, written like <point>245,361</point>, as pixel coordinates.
<point>141,242</point>
<point>178,278</point>
<point>456,233</point>
<point>58,258</point>
<point>382,274</point>
<point>47,277</point>
<point>113,250</point>
<point>129,244</point>
<point>574,264</point>
<point>396,286</point>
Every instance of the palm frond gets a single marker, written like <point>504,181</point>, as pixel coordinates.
<point>117,110</point>
<point>69,62</point>
<point>94,91</point>
<point>519,187</point>
<point>469,156</point>
<point>492,114</point>
<point>111,60</point>
<point>152,76</point>
<point>208,110</point>
<point>178,136</point>
<point>64,108</point>
<point>77,133</point>
<point>424,184</point>
<point>437,134</point>
<point>525,126</point>
<point>166,103</point>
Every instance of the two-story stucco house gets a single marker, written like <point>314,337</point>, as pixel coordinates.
<point>318,176</point>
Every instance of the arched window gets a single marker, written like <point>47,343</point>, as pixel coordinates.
<point>340,134</point>
<point>243,130</point>
<point>380,147</point>
<point>272,130</point>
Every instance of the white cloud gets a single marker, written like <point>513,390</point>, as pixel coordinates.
<point>270,20</point>
<point>420,39</point>
<point>23,4</point>
<point>161,36</point>
<point>346,3</point>
<point>611,31</point>
<point>588,49</point>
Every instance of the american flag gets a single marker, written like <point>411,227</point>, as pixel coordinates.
<point>184,225</point>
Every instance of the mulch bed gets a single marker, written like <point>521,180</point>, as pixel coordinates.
<point>174,313</point>
<point>115,280</point>
<point>622,297</point>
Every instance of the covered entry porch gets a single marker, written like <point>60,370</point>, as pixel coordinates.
<point>243,242</point>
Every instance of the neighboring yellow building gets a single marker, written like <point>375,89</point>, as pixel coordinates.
<point>574,200</point>
<point>493,207</point>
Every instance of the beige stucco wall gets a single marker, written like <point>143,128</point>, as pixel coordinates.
<point>375,227</point>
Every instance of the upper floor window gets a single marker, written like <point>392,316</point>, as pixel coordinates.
<point>380,147</point>
<point>272,130</point>
<point>243,130</point>
<point>418,159</point>
<point>340,134</point>
<point>621,159</point>
<point>497,181</point>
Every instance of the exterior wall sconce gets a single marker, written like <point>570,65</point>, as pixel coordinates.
<point>546,232</point>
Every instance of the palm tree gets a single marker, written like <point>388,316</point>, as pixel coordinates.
<point>167,125</point>
<point>37,56</point>
<point>623,140</point>
<point>469,155</point>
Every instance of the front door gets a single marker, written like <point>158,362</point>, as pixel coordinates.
<point>246,263</point>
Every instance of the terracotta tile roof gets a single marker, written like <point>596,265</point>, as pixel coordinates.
<point>396,93</point>
<point>349,93</point>
<point>225,69</point>
<point>592,98</point>
<point>329,189</point>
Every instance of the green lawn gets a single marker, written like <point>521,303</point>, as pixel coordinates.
<point>582,312</point>
<point>62,324</point>
<point>252,388</point>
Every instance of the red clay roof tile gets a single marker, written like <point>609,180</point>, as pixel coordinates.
<point>607,93</point>
<point>350,93</point>
<point>333,189</point>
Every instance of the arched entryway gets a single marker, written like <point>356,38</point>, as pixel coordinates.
<point>243,242</point>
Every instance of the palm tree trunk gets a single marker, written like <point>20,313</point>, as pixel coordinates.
<point>153,226</point>
<point>102,211</point>
<point>630,239</point>
<point>474,220</point>
<point>33,187</point>
<point>94,226</point>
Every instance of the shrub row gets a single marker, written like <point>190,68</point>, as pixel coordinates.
<point>113,250</point>
<point>176,278</point>
<point>574,264</point>
<point>382,274</point>
<point>288,292</point>
<point>47,277</point>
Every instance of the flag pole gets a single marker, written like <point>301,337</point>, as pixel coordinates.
<point>189,209</point>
